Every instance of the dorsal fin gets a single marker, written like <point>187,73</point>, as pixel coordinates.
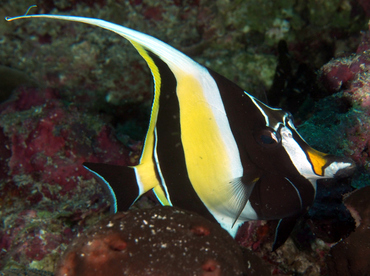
<point>146,45</point>
<point>142,42</point>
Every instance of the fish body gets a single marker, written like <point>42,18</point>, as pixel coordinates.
<point>213,148</point>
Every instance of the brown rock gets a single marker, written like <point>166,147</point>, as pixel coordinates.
<point>158,241</point>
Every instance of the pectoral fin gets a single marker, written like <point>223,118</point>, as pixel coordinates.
<point>242,190</point>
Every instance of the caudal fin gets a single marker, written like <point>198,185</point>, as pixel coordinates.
<point>119,182</point>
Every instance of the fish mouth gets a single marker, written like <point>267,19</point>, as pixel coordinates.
<point>340,166</point>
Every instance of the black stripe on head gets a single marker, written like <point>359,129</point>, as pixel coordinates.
<point>247,123</point>
<point>243,118</point>
<point>170,151</point>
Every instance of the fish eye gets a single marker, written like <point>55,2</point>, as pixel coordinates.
<point>267,137</point>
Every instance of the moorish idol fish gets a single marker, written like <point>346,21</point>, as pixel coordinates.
<point>213,148</point>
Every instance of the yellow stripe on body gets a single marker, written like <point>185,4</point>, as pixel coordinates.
<point>206,156</point>
<point>145,169</point>
<point>159,193</point>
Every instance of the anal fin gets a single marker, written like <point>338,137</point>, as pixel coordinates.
<point>283,230</point>
<point>119,182</point>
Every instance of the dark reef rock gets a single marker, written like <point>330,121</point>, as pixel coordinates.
<point>10,79</point>
<point>25,272</point>
<point>156,241</point>
<point>351,255</point>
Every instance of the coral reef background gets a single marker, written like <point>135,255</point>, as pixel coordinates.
<point>72,93</point>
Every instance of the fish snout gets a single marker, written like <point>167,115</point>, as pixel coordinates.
<point>330,166</point>
<point>339,167</point>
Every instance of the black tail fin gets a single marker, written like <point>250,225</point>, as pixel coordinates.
<point>119,182</point>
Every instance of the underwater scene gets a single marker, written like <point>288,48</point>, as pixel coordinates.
<point>184,137</point>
